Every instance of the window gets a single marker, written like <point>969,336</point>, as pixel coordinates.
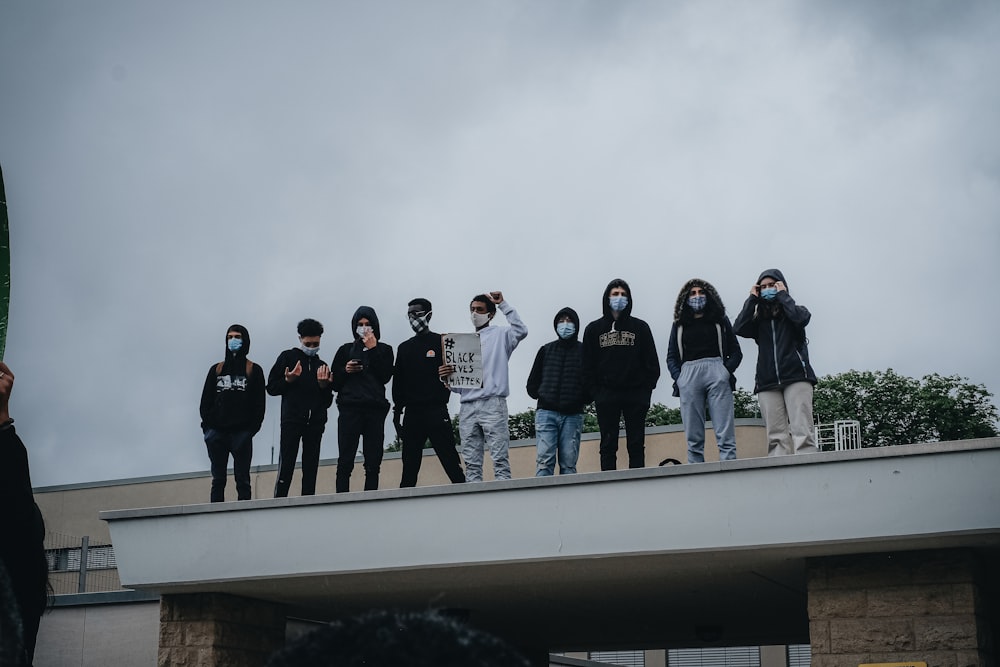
<point>624,658</point>
<point>728,656</point>
<point>799,655</point>
<point>68,560</point>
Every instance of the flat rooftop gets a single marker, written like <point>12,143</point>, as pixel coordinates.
<point>602,560</point>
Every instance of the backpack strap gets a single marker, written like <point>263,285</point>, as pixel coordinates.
<point>680,341</point>
<point>218,368</point>
<point>718,330</point>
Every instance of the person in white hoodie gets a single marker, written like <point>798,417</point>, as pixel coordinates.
<point>482,418</point>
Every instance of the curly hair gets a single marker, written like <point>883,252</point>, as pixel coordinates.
<point>714,310</point>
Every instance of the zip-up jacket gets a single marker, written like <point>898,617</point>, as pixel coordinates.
<point>302,401</point>
<point>782,350</point>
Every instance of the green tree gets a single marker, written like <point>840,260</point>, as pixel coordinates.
<point>745,405</point>
<point>895,410</point>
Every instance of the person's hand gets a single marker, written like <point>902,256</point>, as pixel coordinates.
<point>293,375</point>
<point>369,340</point>
<point>780,285</point>
<point>323,376</point>
<point>755,290</point>
<point>6,386</point>
<point>496,297</point>
<point>444,371</point>
<point>354,366</point>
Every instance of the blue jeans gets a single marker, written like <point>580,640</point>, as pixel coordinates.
<point>707,381</point>
<point>558,434</point>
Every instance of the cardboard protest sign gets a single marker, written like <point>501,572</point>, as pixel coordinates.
<point>465,353</point>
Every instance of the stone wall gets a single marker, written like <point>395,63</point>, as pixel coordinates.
<point>927,606</point>
<point>205,629</point>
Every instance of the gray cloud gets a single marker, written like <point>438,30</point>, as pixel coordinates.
<point>172,169</point>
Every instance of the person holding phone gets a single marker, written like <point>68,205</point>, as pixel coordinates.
<point>785,379</point>
<point>360,371</point>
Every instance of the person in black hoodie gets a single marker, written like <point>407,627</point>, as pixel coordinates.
<point>785,379</point>
<point>24,572</point>
<point>360,372</point>
<point>302,380</point>
<point>420,399</point>
<point>232,410</point>
<point>620,371</point>
<point>556,382</point>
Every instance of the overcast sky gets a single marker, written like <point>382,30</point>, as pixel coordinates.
<point>172,168</point>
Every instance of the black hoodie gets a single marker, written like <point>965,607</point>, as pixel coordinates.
<point>619,356</point>
<point>779,328</point>
<point>556,377</point>
<point>366,388</point>
<point>231,401</point>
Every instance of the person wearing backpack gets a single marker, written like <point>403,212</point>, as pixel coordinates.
<point>702,357</point>
<point>232,410</point>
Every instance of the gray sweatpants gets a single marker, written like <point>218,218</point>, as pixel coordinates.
<point>482,424</point>
<point>788,418</point>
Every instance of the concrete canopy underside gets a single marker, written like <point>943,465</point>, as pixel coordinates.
<point>688,555</point>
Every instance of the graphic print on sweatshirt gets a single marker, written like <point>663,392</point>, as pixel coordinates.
<point>617,338</point>
<point>230,383</point>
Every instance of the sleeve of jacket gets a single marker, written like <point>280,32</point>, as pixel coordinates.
<point>208,393</point>
<point>745,324</point>
<point>276,378</point>
<point>734,355</point>
<point>588,370</point>
<point>517,331</point>
<point>337,373</point>
<point>259,396</point>
<point>535,376</point>
<point>674,361</point>
<point>397,394</point>
<point>651,360</point>
<point>796,315</point>
<point>381,359</point>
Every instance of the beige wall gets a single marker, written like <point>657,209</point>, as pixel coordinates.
<point>72,510</point>
<point>93,635</point>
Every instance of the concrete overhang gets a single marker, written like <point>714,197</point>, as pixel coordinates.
<point>675,556</point>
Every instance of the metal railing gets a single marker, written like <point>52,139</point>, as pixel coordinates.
<point>841,435</point>
<point>78,566</point>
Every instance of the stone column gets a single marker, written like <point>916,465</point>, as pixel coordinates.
<point>220,630</point>
<point>905,606</point>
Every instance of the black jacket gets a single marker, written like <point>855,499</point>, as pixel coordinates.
<point>302,401</point>
<point>230,399</point>
<point>415,380</point>
<point>619,356</point>
<point>779,327</point>
<point>366,388</point>
<point>556,377</point>
<point>714,319</point>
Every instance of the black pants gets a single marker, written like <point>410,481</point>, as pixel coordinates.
<point>220,445</point>
<point>422,423</point>
<point>360,423</point>
<point>609,413</point>
<point>311,435</point>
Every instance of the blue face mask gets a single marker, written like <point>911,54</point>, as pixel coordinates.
<point>769,293</point>
<point>310,351</point>
<point>234,344</point>
<point>618,303</point>
<point>697,303</point>
<point>565,329</point>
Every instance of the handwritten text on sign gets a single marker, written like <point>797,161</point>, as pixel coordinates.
<point>464,352</point>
